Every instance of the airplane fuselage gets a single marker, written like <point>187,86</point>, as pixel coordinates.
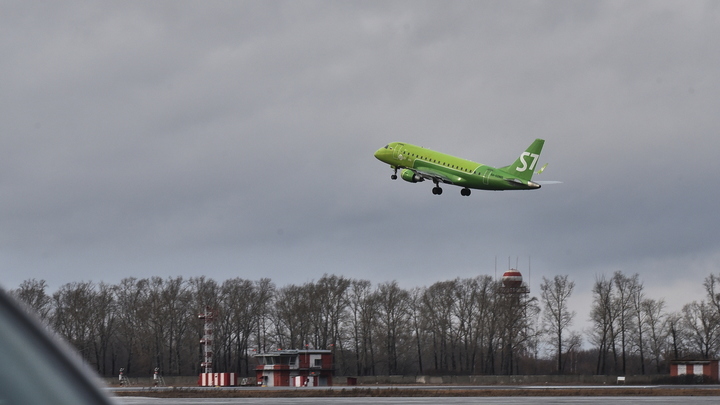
<point>418,164</point>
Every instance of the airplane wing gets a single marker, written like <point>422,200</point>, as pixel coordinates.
<point>433,175</point>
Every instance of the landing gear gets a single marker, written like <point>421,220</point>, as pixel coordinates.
<point>465,192</point>
<point>394,175</point>
<point>437,190</point>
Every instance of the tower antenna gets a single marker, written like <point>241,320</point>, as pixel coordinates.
<point>207,340</point>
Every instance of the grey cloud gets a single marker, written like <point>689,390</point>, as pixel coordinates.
<point>236,139</point>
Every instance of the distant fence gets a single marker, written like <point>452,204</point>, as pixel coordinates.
<point>176,381</point>
<point>507,380</point>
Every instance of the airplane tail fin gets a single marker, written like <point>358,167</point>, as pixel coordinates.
<point>524,166</point>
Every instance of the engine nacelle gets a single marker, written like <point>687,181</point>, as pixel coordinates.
<point>409,175</point>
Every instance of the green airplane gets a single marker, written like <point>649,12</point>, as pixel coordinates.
<point>417,164</point>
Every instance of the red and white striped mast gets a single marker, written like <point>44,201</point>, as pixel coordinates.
<point>207,339</point>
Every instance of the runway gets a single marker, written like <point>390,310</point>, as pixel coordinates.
<point>504,396</point>
<point>424,401</point>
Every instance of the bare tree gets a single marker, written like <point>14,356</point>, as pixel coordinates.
<point>657,326</point>
<point>417,321</point>
<point>393,314</point>
<point>712,284</point>
<point>602,315</point>
<point>489,317</point>
<point>290,314</point>
<point>457,326</point>
<point>261,302</point>
<point>574,342</point>
<point>236,321</point>
<point>701,321</point>
<point>676,335</point>
<point>438,307</point>
<point>158,322</point>
<point>132,317</point>
<point>332,302</point>
<point>73,316</point>
<point>34,294</point>
<point>362,304</point>
<point>626,288</point>
<point>557,315</point>
<point>104,323</point>
<point>465,310</point>
<point>175,299</point>
<point>637,298</point>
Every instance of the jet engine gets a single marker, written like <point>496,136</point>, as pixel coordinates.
<point>411,176</point>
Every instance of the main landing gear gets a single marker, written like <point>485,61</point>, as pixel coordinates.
<point>464,192</point>
<point>436,190</point>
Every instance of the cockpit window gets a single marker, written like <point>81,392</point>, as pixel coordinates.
<point>387,146</point>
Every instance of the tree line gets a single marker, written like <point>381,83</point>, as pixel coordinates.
<point>462,326</point>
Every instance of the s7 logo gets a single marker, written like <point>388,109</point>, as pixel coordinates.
<point>524,166</point>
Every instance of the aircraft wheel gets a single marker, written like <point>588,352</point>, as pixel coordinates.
<point>465,192</point>
<point>437,190</point>
<point>393,176</point>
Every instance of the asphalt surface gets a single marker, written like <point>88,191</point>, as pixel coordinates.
<point>138,399</point>
<point>426,387</point>
<point>424,401</point>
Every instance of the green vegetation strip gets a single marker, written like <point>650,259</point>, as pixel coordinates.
<point>400,392</point>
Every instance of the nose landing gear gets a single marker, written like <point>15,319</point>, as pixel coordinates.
<point>465,192</point>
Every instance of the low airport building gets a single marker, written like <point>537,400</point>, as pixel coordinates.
<point>709,369</point>
<point>295,368</point>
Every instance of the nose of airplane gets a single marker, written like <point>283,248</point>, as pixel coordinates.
<point>384,154</point>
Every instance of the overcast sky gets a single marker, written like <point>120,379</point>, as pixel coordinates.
<point>236,139</point>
